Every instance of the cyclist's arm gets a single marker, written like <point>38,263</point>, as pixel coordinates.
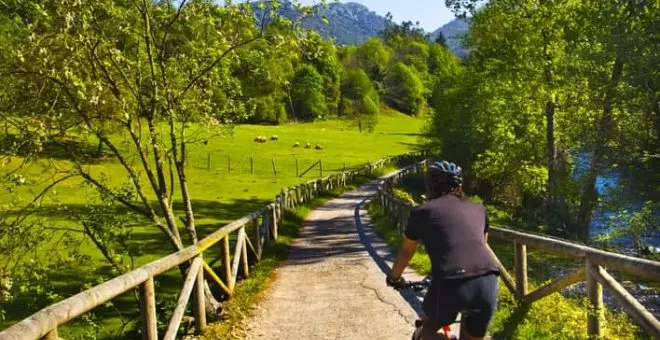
<point>486,226</point>
<point>406,253</point>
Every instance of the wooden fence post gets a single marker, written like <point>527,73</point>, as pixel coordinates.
<point>257,236</point>
<point>226,260</point>
<point>521,269</point>
<point>244,257</point>
<point>274,168</point>
<point>148,310</point>
<point>199,308</point>
<point>275,223</point>
<point>595,296</point>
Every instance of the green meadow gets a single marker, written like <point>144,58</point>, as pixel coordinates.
<point>229,176</point>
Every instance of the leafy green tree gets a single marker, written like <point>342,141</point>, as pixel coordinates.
<point>308,99</point>
<point>404,89</point>
<point>360,102</point>
<point>623,33</point>
<point>135,65</point>
<point>374,57</point>
<point>323,55</point>
<point>550,72</point>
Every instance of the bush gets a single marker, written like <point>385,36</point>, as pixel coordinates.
<point>318,147</point>
<point>260,139</point>
<point>308,145</point>
<point>296,144</point>
<point>274,137</point>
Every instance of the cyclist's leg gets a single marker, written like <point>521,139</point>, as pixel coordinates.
<point>482,292</point>
<point>440,309</point>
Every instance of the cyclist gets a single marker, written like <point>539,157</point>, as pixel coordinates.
<point>454,231</point>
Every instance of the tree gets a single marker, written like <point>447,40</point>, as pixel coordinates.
<point>323,55</point>
<point>138,66</point>
<point>359,100</point>
<point>308,100</point>
<point>404,90</point>
<point>374,58</point>
<point>550,72</point>
<point>622,31</point>
<point>440,39</point>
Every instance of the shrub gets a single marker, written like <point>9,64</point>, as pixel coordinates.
<point>318,147</point>
<point>308,145</point>
<point>296,144</point>
<point>274,137</point>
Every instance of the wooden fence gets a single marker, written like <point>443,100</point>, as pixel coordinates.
<point>397,212</point>
<point>266,221</point>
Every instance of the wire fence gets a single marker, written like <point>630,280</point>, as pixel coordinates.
<point>277,165</point>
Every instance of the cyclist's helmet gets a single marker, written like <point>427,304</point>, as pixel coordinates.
<point>444,173</point>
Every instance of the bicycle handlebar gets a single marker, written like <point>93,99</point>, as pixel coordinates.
<point>418,285</point>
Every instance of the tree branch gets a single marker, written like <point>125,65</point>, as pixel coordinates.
<point>215,63</point>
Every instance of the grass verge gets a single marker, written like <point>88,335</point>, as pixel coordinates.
<point>554,317</point>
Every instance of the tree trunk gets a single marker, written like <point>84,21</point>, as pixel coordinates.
<point>590,194</point>
<point>293,110</point>
<point>551,146</point>
<point>99,149</point>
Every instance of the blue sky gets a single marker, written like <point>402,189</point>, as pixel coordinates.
<point>431,14</point>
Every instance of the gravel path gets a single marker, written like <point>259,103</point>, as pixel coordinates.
<point>333,284</point>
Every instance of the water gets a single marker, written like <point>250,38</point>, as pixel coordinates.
<point>607,185</point>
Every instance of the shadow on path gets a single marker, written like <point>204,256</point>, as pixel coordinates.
<point>368,238</point>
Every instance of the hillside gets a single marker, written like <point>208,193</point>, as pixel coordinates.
<point>348,23</point>
<point>352,23</point>
<point>454,32</point>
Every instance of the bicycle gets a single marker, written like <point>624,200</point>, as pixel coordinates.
<point>422,286</point>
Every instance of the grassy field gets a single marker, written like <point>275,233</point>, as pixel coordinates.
<point>223,187</point>
<point>554,317</point>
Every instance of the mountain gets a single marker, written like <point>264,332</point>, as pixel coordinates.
<point>347,23</point>
<point>352,23</point>
<point>454,32</point>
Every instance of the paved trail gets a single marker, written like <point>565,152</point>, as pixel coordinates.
<point>333,284</point>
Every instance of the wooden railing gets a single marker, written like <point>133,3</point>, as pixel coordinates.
<point>593,271</point>
<point>264,223</point>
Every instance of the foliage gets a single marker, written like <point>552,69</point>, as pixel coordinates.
<point>405,90</point>
<point>322,55</point>
<point>374,58</point>
<point>635,225</point>
<point>307,96</point>
<point>360,101</point>
<point>545,84</point>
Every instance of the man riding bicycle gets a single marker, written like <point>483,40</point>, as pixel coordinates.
<point>454,231</point>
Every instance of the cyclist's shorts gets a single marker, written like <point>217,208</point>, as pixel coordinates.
<point>477,295</point>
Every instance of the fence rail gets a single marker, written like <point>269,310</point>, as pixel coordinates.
<point>593,272</point>
<point>265,223</point>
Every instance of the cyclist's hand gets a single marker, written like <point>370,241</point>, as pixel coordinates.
<point>398,283</point>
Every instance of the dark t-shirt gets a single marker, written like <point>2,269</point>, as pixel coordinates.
<point>452,230</point>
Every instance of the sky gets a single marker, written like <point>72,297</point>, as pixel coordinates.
<point>431,14</point>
